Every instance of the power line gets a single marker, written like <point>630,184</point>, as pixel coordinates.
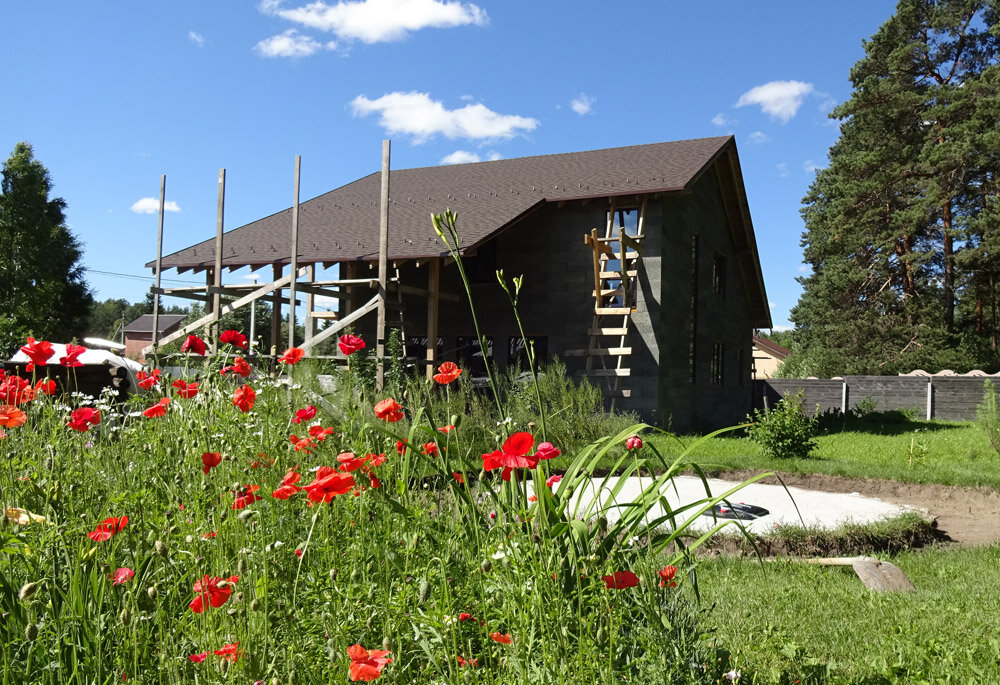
<point>149,279</point>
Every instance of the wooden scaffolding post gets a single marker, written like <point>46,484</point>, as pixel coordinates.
<point>383,266</point>
<point>214,300</point>
<point>159,261</point>
<point>433,301</point>
<point>295,254</point>
<point>310,305</point>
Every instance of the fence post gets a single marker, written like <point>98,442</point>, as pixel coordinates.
<point>930,396</point>
<point>843,397</point>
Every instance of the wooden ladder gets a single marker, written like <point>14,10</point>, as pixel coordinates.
<point>614,292</point>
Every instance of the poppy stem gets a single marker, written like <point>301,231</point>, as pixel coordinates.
<point>298,567</point>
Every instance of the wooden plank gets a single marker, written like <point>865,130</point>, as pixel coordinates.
<point>605,373</point>
<point>610,311</point>
<point>600,351</point>
<point>630,243</point>
<point>383,267</point>
<point>624,283</point>
<point>342,323</point>
<point>323,314</point>
<point>631,273</point>
<point>159,263</point>
<point>628,255</point>
<point>608,331</point>
<point>294,253</point>
<point>433,302</point>
<point>599,244</point>
<point>220,214</point>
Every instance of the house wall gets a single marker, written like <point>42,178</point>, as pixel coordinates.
<point>765,365</point>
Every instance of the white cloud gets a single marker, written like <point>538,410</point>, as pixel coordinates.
<point>721,121</point>
<point>151,205</point>
<point>771,305</point>
<point>783,170</point>
<point>291,44</point>
<point>493,156</point>
<point>778,329</point>
<point>758,138</point>
<point>582,103</point>
<point>196,38</point>
<point>416,114</point>
<point>460,157</point>
<point>778,99</point>
<point>810,167</point>
<point>375,21</point>
<point>803,268</point>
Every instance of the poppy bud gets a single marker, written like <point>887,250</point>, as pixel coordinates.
<point>423,590</point>
<point>223,584</point>
<point>27,590</point>
<point>241,566</point>
<point>48,463</point>
<point>232,611</point>
<point>600,634</point>
<point>177,479</point>
<point>602,523</point>
<point>487,565</point>
<point>536,538</point>
<point>224,666</point>
<point>125,617</point>
<point>370,622</point>
<point>355,575</point>
<point>255,605</point>
<point>161,548</point>
<point>152,592</point>
<point>333,574</point>
<point>247,514</point>
<point>31,632</point>
<point>189,539</point>
<point>455,420</point>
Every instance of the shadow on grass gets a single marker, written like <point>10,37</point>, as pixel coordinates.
<point>881,423</point>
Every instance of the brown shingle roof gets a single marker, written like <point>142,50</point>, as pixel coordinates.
<point>342,224</point>
<point>144,324</point>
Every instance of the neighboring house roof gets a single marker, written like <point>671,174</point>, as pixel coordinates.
<point>772,348</point>
<point>488,197</point>
<point>144,324</point>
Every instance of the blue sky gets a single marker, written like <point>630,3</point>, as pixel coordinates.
<point>114,94</point>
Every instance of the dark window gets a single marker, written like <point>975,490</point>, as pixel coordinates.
<point>741,360</point>
<point>517,354</point>
<point>718,369</point>
<point>470,356</point>
<point>719,275</point>
<point>416,347</point>
<point>693,314</point>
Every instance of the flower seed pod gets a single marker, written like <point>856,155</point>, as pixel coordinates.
<point>370,622</point>
<point>161,548</point>
<point>423,591</point>
<point>487,565</point>
<point>238,597</point>
<point>125,617</point>
<point>31,632</point>
<point>247,514</point>
<point>241,566</point>
<point>152,592</point>
<point>255,605</point>
<point>27,590</point>
<point>189,539</point>
<point>333,574</point>
<point>602,524</point>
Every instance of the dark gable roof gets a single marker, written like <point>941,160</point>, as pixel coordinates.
<point>144,324</point>
<point>342,224</point>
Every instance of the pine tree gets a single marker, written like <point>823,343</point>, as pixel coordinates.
<point>900,226</point>
<point>41,280</point>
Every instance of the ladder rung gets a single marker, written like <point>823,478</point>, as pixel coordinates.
<point>628,255</point>
<point>608,291</point>
<point>608,331</point>
<point>601,311</point>
<point>631,273</point>
<point>324,315</point>
<point>607,372</point>
<point>600,351</point>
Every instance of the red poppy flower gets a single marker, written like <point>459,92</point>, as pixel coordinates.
<point>446,429</point>
<point>447,373</point>
<point>230,652</point>
<point>552,480</point>
<point>209,460</point>
<point>198,658</point>
<point>209,535</point>
<point>194,344</point>
<point>72,357</point>
<point>244,398</point>
<point>513,454</point>
<point>148,380</point>
<point>46,386</point>
<point>667,574</point>
<point>38,351</point>
<point>467,662</point>
<point>328,484</point>
<point>158,409</point>
<point>288,485</point>
<point>546,450</point>
<point>108,528</point>
<point>293,355</point>
<point>307,414</point>
<point>185,390</point>
<point>400,447</point>
<point>298,553</point>
<point>458,476</point>
<point>349,344</point>
<point>633,443</point>
<point>430,449</point>
<point>366,664</point>
<point>620,580</point>
<point>349,462</point>
<point>388,410</point>
<point>464,616</point>
<point>245,496</point>
<point>11,416</point>
<point>214,589</point>
<point>502,638</point>
<point>83,418</point>
<point>240,366</point>
<point>16,390</point>
<point>234,338</point>
<point>121,576</point>
<point>532,498</point>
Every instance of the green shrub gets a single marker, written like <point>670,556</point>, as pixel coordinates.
<point>784,431</point>
<point>988,417</point>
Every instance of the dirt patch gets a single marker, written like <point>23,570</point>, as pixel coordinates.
<point>967,517</point>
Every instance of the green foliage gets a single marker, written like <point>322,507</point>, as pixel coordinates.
<point>865,406</point>
<point>42,287</point>
<point>784,431</point>
<point>988,416</point>
<point>902,226</point>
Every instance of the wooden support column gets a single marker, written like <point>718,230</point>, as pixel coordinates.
<point>210,300</point>
<point>310,305</point>
<point>433,302</point>
<point>383,268</point>
<point>276,312</point>
<point>159,263</point>
<point>295,255</point>
<point>217,271</point>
